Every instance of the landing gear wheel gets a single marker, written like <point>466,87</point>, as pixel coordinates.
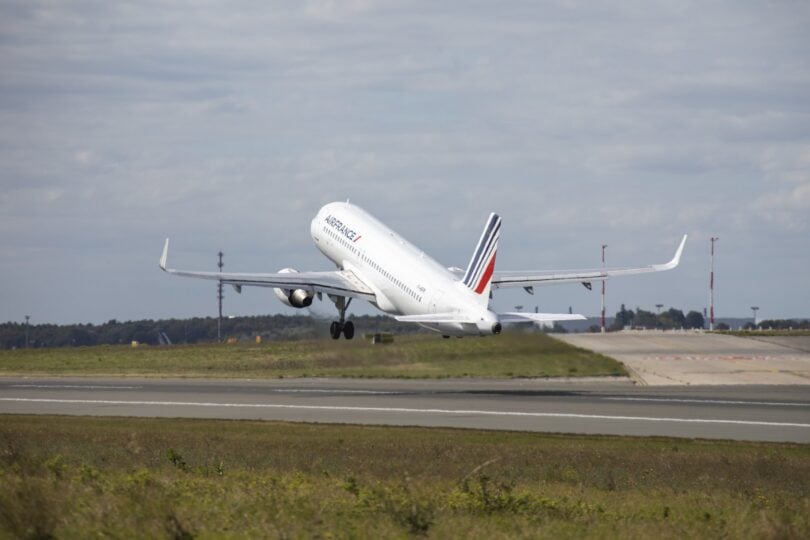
<point>341,326</point>
<point>348,330</point>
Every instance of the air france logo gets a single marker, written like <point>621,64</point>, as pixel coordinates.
<point>342,228</point>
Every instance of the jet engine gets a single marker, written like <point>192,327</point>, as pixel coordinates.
<point>297,298</point>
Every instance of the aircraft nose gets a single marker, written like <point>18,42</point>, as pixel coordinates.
<point>313,226</point>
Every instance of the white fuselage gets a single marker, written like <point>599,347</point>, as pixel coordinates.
<point>404,279</point>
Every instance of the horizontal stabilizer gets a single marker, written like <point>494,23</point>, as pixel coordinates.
<point>504,318</point>
<point>518,317</point>
<point>435,318</point>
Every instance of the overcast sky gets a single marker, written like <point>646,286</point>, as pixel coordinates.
<point>226,125</point>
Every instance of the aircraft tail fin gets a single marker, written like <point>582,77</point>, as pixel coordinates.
<point>478,276</point>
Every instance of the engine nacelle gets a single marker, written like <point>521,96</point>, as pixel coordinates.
<point>297,298</point>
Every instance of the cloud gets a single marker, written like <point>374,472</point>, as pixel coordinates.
<point>229,126</point>
<point>787,209</point>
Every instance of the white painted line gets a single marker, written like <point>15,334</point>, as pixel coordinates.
<point>278,390</point>
<point>404,410</point>
<point>90,386</point>
<point>718,401</point>
<point>323,391</point>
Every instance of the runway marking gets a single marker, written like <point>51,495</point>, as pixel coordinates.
<point>278,390</point>
<point>90,386</point>
<point>323,391</point>
<point>405,410</point>
<point>718,401</point>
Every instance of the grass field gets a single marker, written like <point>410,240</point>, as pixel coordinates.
<point>508,355</point>
<point>85,477</point>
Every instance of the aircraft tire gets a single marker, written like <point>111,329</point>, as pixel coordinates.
<point>335,329</point>
<point>348,330</point>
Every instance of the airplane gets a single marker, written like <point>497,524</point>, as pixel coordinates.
<point>378,265</point>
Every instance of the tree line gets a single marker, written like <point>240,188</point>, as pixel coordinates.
<point>668,320</point>
<point>186,331</point>
<point>294,327</point>
<point>672,319</point>
<point>776,324</point>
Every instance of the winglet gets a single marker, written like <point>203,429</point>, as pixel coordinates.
<point>676,259</point>
<point>164,256</point>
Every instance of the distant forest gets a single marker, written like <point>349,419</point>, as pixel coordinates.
<point>183,331</point>
<point>672,319</point>
<point>285,327</point>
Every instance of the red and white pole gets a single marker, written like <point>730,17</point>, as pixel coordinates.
<point>602,325</point>
<point>713,239</point>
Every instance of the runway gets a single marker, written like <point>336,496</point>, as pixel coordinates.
<point>760,413</point>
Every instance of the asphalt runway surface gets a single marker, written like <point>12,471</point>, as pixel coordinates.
<point>617,407</point>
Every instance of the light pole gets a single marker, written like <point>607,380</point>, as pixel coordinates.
<point>27,317</point>
<point>755,309</point>
<point>713,239</point>
<point>219,298</point>
<point>602,318</point>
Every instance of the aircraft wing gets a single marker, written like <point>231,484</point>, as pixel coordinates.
<point>530,278</point>
<point>338,283</point>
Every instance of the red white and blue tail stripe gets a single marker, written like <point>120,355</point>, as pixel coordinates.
<point>482,265</point>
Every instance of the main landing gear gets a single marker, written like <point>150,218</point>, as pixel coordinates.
<point>342,326</point>
<point>347,328</point>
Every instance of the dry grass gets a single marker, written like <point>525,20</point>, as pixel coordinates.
<point>84,477</point>
<point>509,355</point>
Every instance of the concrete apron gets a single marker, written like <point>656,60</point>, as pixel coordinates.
<point>658,358</point>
